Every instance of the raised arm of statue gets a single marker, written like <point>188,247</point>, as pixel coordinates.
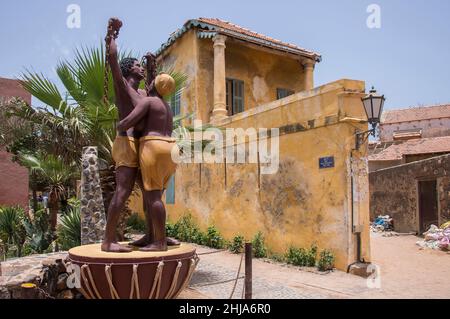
<point>151,68</point>
<point>114,25</point>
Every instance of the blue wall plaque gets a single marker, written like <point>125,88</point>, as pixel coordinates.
<point>326,162</point>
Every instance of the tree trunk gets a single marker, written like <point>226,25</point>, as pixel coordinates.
<point>53,208</point>
<point>35,202</point>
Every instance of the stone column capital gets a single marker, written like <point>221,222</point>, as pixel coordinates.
<point>308,63</point>
<point>219,40</point>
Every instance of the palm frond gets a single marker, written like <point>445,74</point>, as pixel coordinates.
<point>41,88</point>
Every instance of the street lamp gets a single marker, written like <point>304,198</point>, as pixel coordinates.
<point>373,106</point>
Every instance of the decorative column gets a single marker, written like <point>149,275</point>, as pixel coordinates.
<point>220,104</point>
<point>93,218</point>
<point>308,67</point>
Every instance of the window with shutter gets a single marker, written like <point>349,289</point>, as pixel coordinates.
<point>175,103</point>
<point>170,192</point>
<point>282,93</point>
<point>235,96</point>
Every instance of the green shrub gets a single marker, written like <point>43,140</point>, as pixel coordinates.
<point>170,230</point>
<point>69,231</point>
<point>277,257</point>
<point>258,246</point>
<point>136,223</point>
<point>237,244</point>
<point>185,228</point>
<point>199,237</point>
<point>326,260</point>
<point>38,231</point>
<point>311,256</point>
<point>213,238</point>
<point>302,257</point>
<point>12,231</point>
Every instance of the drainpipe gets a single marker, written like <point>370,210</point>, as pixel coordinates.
<point>357,233</point>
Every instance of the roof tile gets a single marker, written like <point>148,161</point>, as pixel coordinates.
<point>416,114</point>
<point>412,147</point>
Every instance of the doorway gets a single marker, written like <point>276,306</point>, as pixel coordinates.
<point>428,205</point>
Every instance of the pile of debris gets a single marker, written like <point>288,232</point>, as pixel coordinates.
<point>382,224</point>
<point>436,238</point>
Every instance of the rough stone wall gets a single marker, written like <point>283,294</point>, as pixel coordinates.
<point>93,218</point>
<point>48,272</point>
<point>393,191</point>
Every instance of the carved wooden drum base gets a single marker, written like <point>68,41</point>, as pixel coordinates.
<point>134,275</point>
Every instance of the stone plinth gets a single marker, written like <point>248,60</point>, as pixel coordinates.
<point>93,217</point>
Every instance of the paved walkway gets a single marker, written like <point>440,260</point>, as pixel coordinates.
<point>406,272</point>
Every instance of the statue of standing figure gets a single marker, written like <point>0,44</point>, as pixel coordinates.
<point>143,145</point>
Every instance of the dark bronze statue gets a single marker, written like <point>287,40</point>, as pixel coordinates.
<point>130,149</point>
<point>155,152</point>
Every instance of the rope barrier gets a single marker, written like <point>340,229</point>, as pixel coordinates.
<point>237,276</point>
<point>212,252</point>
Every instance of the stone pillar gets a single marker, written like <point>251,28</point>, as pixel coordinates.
<point>93,217</point>
<point>220,103</point>
<point>308,67</point>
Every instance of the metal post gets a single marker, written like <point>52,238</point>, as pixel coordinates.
<point>248,270</point>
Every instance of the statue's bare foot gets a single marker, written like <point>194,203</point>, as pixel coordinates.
<point>115,248</point>
<point>143,241</point>
<point>172,242</point>
<point>155,246</point>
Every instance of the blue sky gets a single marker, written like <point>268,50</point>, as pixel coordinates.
<point>407,59</point>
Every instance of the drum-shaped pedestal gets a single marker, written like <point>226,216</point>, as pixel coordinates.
<point>134,275</point>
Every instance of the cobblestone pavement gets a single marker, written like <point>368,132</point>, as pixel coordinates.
<point>404,271</point>
<point>212,269</point>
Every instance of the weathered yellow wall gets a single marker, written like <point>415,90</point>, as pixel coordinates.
<point>262,73</point>
<point>301,204</point>
<point>182,57</point>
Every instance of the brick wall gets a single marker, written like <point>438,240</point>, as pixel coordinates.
<point>13,177</point>
<point>13,182</point>
<point>12,88</point>
<point>393,191</point>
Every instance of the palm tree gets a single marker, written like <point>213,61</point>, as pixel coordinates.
<point>51,171</point>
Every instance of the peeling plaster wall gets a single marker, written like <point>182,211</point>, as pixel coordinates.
<point>300,204</point>
<point>262,73</point>
<point>394,191</point>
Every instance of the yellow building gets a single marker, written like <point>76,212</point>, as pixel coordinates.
<point>242,79</point>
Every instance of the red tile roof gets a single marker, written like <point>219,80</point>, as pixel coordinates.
<point>413,147</point>
<point>235,28</point>
<point>214,25</point>
<point>416,114</point>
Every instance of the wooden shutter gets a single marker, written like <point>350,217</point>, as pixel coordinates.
<point>238,96</point>
<point>170,192</point>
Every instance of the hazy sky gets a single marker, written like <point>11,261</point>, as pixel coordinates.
<point>407,58</point>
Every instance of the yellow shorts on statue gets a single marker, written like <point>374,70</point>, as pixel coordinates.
<point>156,162</point>
<point>125,151</point>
